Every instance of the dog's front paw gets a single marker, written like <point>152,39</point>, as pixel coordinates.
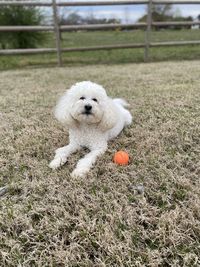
<point>60,150</point>
<point>56,163</point>
<point>79,173</point>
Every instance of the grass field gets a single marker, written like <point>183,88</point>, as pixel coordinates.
<point>49,219</point>
<point>109,57</point>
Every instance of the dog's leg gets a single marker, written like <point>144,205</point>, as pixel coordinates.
<point>86,163</point>
<point>62,154</point>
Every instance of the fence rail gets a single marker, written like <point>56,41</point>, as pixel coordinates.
<point>56,28</point>
<point>77,3</point>
<point>98,3</point>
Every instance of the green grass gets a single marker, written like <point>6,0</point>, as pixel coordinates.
<point>79,39</point>
<point>49,219</point>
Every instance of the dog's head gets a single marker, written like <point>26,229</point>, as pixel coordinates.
<point>87,103</point>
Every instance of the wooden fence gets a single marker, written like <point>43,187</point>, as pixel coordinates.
<point>56,28</point>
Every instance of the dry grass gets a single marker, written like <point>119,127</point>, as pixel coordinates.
<point>49,219</point>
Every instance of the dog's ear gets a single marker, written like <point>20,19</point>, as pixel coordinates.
<point>62,110</point>
<point>109,118</point>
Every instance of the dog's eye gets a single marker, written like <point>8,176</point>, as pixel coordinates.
<point>94,99</point>
<point>82,97</point>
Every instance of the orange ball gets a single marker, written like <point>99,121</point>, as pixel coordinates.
<point>121,158</point>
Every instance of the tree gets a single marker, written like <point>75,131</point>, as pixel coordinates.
<point>76,19</point>
<point>164,13</point>
<point>198,17</point>
<point>17,15</point>
<point>93,20</point>
<point>72,19</point>
<point>159,13</point>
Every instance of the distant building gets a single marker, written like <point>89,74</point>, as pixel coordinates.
<point>195,27</point>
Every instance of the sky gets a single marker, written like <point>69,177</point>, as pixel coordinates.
<point>127,13</point>
<point>130,14</point>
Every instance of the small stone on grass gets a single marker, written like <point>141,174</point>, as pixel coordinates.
<point>3,191</point>
<point>137,189</point>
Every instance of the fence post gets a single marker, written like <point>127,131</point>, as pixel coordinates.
<point>57,32</point>
<point>148,31</point>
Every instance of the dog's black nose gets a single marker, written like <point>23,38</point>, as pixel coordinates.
<point>88,107</point>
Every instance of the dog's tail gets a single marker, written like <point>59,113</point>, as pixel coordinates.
<point>121,102</point>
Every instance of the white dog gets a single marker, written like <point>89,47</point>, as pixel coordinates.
<point>92,119</point>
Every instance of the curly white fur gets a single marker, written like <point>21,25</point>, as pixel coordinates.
<point>92,119</point>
